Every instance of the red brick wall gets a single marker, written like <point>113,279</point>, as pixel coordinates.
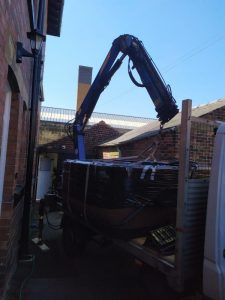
<point>160,147</point>
<point>202,138</point>
<point>218,114</point>
<point>96,135</point>
<point>14,27</point>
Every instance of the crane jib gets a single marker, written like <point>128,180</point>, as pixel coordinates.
<point>152,80</point>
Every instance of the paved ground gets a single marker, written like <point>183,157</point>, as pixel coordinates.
<point>101,273</point>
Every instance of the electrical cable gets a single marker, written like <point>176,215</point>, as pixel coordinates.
<point>180,60</point>
<point>69,128</point>
<point>192,53</point>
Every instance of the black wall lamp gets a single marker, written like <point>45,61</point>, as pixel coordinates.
<point>36,40</point>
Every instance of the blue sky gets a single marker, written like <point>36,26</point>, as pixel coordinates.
<point>185,38</point>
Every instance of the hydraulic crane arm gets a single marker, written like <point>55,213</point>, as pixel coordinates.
<point>159,92</point>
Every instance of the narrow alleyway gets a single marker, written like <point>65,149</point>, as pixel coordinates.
<point>101,273</point>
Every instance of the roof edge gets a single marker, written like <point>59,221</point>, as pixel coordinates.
<point>55,12</point>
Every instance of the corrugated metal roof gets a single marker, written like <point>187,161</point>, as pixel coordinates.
<point>153,127</point>
<point>61,115</point>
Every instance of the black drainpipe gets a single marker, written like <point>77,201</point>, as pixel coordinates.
<point>30,5</point>
<point>34,104</point>
<point>41,16</point>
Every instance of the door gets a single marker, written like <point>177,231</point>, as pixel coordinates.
<point>44,177</point>
<point>4,140</point>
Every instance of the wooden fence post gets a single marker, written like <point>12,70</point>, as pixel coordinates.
<point>185,133</point>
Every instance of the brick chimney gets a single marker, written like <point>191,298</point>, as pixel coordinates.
<point>84,83</point>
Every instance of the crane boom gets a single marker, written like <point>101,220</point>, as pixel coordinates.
<point>160,93</point>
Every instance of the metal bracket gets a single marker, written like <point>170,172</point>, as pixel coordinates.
<point>21,52</point>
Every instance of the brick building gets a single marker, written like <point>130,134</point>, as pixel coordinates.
<point>55,146</point>
<point>53,121</point>
<point>20,97</point>
<point>150,142</point>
